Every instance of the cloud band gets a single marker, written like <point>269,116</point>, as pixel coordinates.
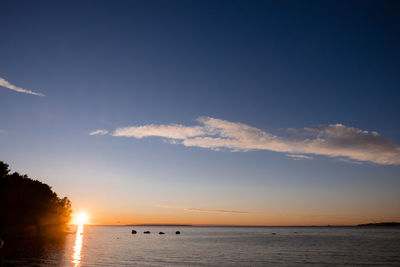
<point>10,86</point>
<point>334,140</point>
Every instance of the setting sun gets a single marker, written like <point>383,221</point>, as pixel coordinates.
<point>81,218</point>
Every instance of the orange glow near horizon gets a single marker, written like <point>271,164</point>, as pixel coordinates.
<point>167,216</point>
<point>148,214</point>
<point>76,257</point>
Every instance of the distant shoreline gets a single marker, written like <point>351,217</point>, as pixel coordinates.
<point>383,224</point>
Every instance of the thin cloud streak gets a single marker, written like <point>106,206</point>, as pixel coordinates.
<point>10,86</point>
<point>167,131</point>
<point>203,210</point>
<point>99,132</point>
<point>268,214</point>
<point>299,156</point>
<point>216,211</point>
<point>334,140</point>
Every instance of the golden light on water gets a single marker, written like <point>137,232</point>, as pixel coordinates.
<point>80,219</point>
<point>76,257</point>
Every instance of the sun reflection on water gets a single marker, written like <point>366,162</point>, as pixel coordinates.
<point>76,257</point>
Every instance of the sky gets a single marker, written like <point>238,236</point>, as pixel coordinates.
<point>206,112</point>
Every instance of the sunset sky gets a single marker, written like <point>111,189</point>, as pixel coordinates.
<point>206,112</point>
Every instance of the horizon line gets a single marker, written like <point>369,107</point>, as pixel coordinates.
<point>231,225</point>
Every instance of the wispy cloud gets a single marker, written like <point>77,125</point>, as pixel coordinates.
<point>10,86</point>
<point>99,132</point>
<point>203,210</point>
<point>334,140</point>
<point>267,214</point>
<point>168,131</point>
<point>217,211</point>
<point>298,156</point>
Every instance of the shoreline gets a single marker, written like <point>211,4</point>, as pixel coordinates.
<point>249,226</point>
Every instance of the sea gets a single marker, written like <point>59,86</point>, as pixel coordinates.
<point>220,246</point>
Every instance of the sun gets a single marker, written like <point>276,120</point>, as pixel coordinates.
<point>81,218</point>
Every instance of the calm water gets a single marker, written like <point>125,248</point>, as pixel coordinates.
<point>222,246</point>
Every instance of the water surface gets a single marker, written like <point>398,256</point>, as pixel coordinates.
<point>222,246</point>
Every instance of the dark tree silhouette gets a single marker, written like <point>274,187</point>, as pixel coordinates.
<point>29,208</point>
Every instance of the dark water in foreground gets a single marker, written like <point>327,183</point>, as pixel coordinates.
<point>222,246</point>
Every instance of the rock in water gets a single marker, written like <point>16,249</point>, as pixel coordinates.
<point>178,232</point>
<point>133,232</point>
<point>161,233</point>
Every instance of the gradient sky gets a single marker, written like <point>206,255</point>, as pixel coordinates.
<point>252,112</point>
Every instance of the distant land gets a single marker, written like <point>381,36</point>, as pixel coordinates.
<point>156,224</point>
<point>381,224</point>
<point>221,225</point>
<point>390,224</point>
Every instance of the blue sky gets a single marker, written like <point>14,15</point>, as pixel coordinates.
<point>272,65</point>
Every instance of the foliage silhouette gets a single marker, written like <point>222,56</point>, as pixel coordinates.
<point>29,208</point>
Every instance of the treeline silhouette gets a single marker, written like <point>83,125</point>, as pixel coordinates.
<point>29,208</point>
